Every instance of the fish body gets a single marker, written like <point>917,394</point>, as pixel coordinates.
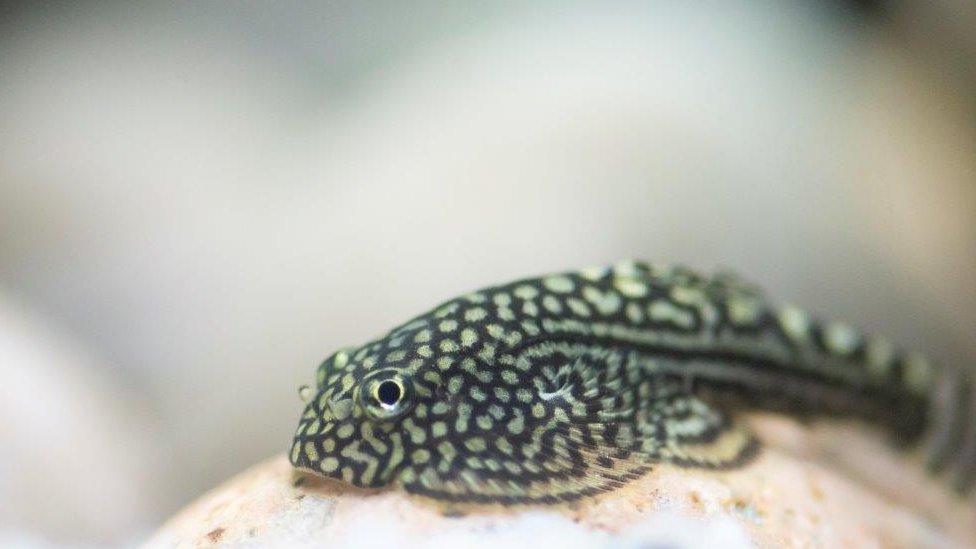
<point>565,386</point>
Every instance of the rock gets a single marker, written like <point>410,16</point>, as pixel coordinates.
<point>784,498</point>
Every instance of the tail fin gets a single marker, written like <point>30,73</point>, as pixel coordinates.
<point>952,436</point>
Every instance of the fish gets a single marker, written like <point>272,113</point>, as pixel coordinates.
<point>566,386</point>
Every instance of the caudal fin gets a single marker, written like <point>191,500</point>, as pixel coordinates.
<point>952,438</point>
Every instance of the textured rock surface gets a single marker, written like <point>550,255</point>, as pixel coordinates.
<point>788,497</point>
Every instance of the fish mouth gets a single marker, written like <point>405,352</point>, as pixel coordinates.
<point>307,450</point>
<point>338,442</point>
<point>308,455</point>
<point>302,455</point>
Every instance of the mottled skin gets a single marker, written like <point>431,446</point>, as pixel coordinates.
<point>554,388</point>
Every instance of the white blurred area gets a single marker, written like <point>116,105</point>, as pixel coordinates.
<point>199,202</point>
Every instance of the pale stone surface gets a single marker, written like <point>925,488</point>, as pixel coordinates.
<point>785,498</point>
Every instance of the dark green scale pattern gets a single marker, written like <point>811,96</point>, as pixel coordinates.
<point>554,388</point>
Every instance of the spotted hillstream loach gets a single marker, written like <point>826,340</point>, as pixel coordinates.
<point>556,388</point>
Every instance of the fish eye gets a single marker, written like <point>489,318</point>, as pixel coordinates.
<point>389,393</point>
<point>387,398</point>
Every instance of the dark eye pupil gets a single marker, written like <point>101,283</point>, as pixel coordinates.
<point>389,393</point>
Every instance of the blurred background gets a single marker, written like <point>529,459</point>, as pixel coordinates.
<point>200,201</point>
